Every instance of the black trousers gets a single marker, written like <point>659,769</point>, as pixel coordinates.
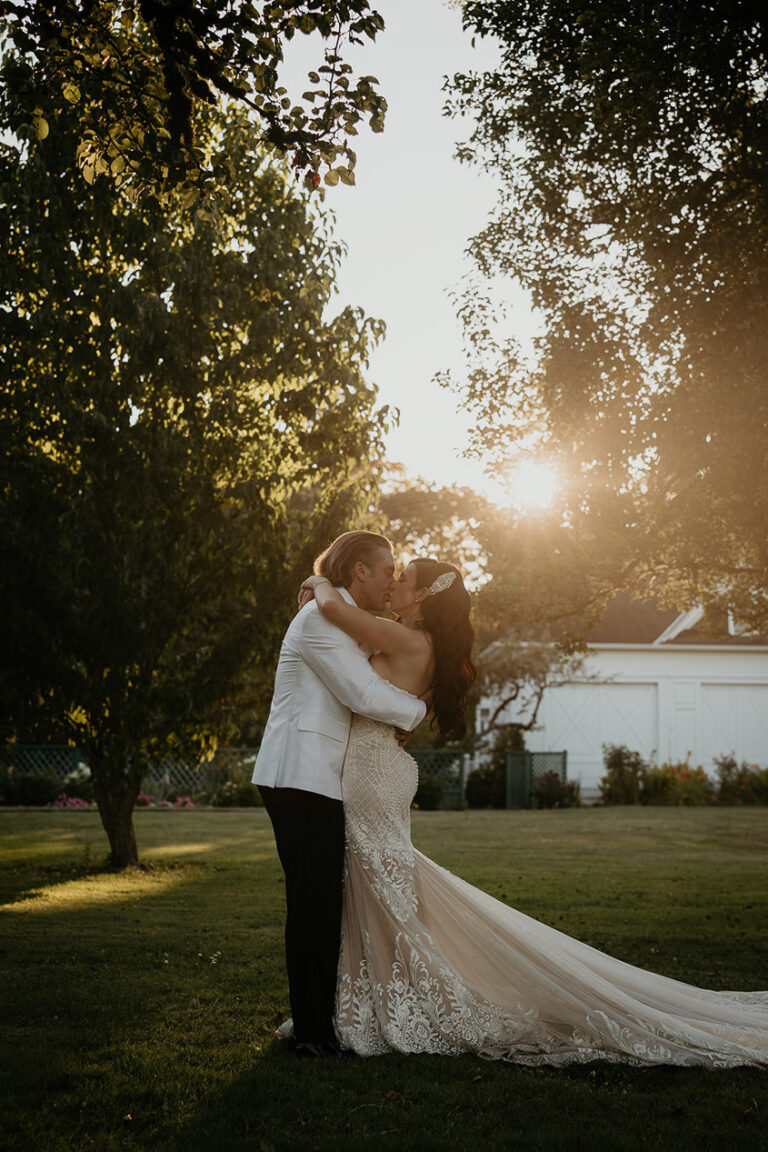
<point>309,832</point>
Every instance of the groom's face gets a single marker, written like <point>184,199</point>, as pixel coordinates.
<point>379,581</point>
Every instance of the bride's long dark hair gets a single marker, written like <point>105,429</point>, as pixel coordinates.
<point>446,619</point>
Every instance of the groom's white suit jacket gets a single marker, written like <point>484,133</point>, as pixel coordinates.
<point>322,677</point>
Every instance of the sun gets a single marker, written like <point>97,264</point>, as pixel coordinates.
<point>533,484</point>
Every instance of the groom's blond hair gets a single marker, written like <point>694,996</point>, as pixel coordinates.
<point>338,561</point>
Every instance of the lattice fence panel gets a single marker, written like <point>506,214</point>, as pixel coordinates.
<point>542,762</point>
<point>525,770</point>
<point>42,759</point>
<point>227,764</point>
<point>449,768</point>
<point>60,759</point>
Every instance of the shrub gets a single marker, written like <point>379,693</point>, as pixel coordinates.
<point>237,794</point>
<point>230,787</point>
<point>624,772</point>
<point>741,783</point>
<point>78,784</point>
<point>552,792</point>
<point>487,787</point>
<point>429,792</point>
<point>37,790</point>
<point>629,780</point>
<point>677,784</point>
<point>28,789</point>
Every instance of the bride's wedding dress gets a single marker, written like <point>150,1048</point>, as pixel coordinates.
<point>430,964</point>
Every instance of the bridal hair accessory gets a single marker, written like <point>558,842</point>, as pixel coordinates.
<point>442,583</point>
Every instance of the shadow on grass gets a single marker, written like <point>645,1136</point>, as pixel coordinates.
<point>428,1102</point>
<point>52,888</point>
<point>41,850</point>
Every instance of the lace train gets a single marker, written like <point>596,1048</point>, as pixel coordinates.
<point>431,964</point>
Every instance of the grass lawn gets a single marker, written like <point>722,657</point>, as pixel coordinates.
<point>138,1010</point>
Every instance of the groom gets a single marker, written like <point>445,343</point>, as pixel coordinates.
<point>322,677</point>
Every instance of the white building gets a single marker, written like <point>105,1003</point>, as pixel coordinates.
<point>662,687</point>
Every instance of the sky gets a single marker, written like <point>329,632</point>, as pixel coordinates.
<point>406,223</point>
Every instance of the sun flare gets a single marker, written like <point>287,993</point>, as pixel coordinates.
<point>533,484</point>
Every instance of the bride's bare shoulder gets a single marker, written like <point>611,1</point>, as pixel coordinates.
<point>414,639</point>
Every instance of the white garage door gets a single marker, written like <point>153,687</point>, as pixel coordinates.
<point>580,718</point>
<point>734,718</point>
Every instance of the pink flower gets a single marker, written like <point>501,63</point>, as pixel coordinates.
<point>64,801</point>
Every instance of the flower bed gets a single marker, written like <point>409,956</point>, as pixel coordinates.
<point>629,779</point>
<point>144,800</point>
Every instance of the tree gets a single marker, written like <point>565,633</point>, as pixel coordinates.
<point>514,674</point>
<point>137,70</point>
<point>545,583</point>
<point>544,575</point>
<point>529,570</point>
<point>630,144</point>
<point>424,519</point>
<point>537,587</point>
<point>182,428</point>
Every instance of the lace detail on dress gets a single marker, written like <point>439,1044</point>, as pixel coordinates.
<point>430,964</point>
<point>424,1007</point>
<point>378,785</point>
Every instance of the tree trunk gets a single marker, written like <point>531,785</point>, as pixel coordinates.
<point>116,798</point>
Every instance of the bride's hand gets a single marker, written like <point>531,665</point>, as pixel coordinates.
<point>312,581</point>
<point>307,590</point>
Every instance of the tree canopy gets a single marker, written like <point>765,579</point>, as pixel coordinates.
<point>536,586</point>
<point>183,425</point>
<point>630,142</point>
<point>424,519</point>
<point>137,71</point>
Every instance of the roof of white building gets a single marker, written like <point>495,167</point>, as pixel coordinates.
<point>627,621</point>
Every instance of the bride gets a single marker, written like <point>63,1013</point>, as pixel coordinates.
<point>430,964</point>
